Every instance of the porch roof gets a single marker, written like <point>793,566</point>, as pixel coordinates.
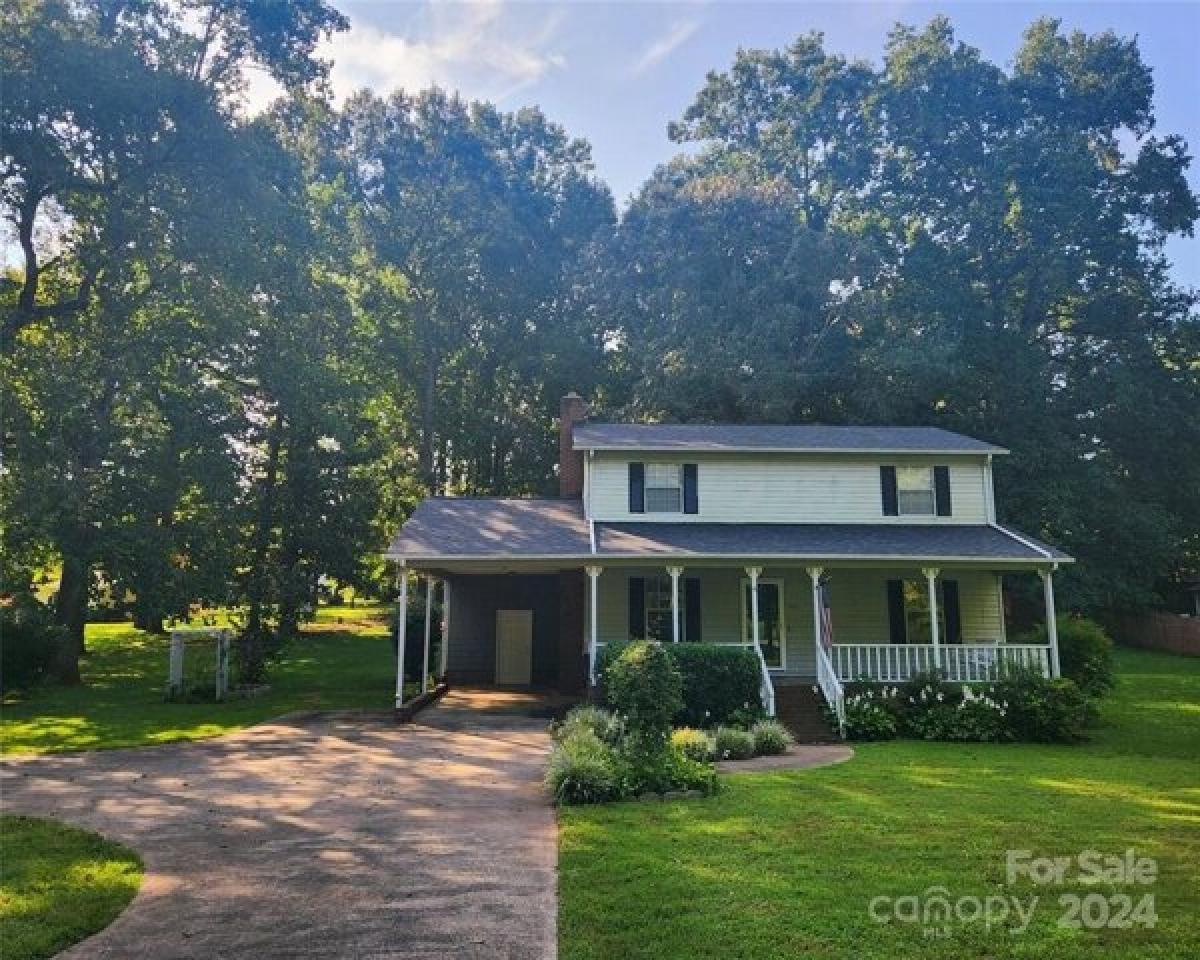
<point>491,529</point>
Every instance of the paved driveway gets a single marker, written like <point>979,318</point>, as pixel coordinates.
<point>339,837</point>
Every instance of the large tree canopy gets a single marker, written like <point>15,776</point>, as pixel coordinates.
<point>238,350</point>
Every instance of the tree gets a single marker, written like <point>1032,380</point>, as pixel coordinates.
<point>121,180</point>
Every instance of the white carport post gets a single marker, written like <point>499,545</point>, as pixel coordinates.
<point>445,652</point>
<point>931,575</point>
<point>593,574</point>
<point>1051,619</point>
<point>401,632</point>
<point>428,632</point>
<point>674,573</point>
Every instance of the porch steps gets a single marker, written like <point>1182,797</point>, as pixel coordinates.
<point>799,708</point>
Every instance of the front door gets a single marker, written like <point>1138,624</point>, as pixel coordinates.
<point>771,628</point>
<point>514,647</point>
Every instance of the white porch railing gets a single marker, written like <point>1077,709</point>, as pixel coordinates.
<point>831,688</point>
<point>961,663</point>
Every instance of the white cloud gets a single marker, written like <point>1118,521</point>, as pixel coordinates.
<point>679,34</point>
<point>482,48</point>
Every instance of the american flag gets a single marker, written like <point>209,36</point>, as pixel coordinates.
<point>826,618</point>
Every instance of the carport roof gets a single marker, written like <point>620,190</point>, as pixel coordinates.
<point>484,529</point>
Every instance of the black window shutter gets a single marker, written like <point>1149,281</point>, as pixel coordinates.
<point>691,613</point>
<point>941,490</point>
<point>637,488</point>
<point>887,482</point>
<point>895,601</point>
<point>637,607</point>
<point>691,497</point>
<point>953,618</point>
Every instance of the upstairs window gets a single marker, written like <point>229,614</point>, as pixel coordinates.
<point>914,490</point>
<point>664,488</point>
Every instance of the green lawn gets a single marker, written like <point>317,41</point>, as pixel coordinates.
<point>58,885</point>
<point>786,865</point>
<point>344,659</point>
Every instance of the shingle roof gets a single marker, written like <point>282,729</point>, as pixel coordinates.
<point>487,527</point>
<point>805,438</point>
<point>494,529</point>
<point>818,540</point>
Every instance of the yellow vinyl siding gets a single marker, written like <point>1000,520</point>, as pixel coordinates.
<point>783,488</point>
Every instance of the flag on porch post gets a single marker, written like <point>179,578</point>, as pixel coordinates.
<point>826,618</point>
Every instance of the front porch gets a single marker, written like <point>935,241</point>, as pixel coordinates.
<point>825,625</point>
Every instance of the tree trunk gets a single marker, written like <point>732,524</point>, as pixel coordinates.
<point>251,645</point>
<point>71,613</point>
<point>427,401</point>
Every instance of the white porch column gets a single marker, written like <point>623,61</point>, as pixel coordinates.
<point>401,632</point>
<point>814,574</point>
<point>674,573</point>
<point>593,574</point>
<point>931,575</point>
<point>428,633</point>
<point>445,651</point>
<point>1051,620</point>
<point>753,573</point>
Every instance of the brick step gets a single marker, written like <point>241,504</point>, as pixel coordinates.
<point>801,710</point>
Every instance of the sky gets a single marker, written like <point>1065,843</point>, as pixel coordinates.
<point>616,73</point>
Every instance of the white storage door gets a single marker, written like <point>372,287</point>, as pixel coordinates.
<point>514,647</point>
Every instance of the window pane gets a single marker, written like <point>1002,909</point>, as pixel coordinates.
<point>916,502</point>
<point>662,501</point>
<point>662,474</point>
<point>914,478</point>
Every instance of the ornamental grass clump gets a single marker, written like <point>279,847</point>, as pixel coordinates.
<point>733,744</point>
<point>605,724</point>
<point>771,738</point>
<point>585,769</point>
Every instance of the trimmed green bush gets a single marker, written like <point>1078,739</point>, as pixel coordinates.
<point>733,744</point>
<point>696,744</point>
<point>771,738</point>
<point>585,769</point>
<point>605,724</point>
<point>1085,653</point>
<point>1038,710</point>
<point>645,689</point>
<point>29,644</point>
<point>719,682</point>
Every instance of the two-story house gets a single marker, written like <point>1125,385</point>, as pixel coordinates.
<point>835,553</point>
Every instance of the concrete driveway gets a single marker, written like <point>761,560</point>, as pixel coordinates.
<point>334,837</point>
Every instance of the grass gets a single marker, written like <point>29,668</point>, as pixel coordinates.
<point>344,659</point>
<point>58,885</point>
<point>786,864</point>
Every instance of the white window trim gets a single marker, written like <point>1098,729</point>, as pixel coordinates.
<point>747,634</point>
<point>677,468</point>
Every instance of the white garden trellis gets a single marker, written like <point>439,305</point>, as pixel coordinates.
<point>179,640</point>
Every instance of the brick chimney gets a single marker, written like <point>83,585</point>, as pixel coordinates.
<point>571,410</point>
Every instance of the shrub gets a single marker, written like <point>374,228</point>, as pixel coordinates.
<point>869,717</point>
<point>585,769</point>
<point>719,681</point>
<point>1085,653</point>
<point>733,744</point>
<point>696,744</point>
<point>644,688</point>
<point>605,724</point>
<point>1039,710</point>
<point>29,645</point>
<point>770,738</point>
